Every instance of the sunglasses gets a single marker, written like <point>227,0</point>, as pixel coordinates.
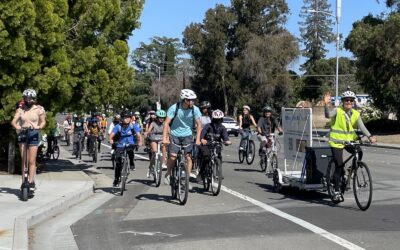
<point>348,100</point>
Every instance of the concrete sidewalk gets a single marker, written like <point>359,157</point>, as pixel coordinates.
<point>60,184</point>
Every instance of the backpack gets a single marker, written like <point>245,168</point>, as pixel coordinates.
<point>176,112</point>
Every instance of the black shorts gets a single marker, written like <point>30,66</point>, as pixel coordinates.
<point>31,137</point>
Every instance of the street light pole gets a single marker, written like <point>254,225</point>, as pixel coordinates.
<point>337,19</point>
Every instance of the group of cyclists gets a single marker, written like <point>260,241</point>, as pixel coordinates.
<point>182,124</point>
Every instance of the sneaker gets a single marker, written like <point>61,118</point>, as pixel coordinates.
<point>32,185</point>
<point>132,166</point>
<point>166,180</point>
<point>241,148</point>
<point>115,183</point>
<point>164,166</point>
<point>192,175</point>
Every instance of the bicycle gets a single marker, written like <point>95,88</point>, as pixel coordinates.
<point>125,171</point>
<point>180,177</point>
<point>67,136</point>
<point>156,158</point>
<point>212,175</point>
<point>358,171</point>
<point>25,188</point>
<point>248,151</point>
<point>55,149</point>
<point>44,154</point>
<point>93,148</point>
<point>269,156</point>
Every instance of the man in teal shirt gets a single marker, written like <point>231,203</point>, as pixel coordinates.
<point>182,118</point>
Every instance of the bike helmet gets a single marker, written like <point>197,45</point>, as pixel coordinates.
<point>137,113</point>
<point>125,114</point>
<point>267,109</point>
<point>246,107</point>
<point>188,94</point>
<point>205,105</point>
<point>117,117</point>
<point>217,114</point>
<point>29,93</point>
<point>349,94</point>
<point>161,113</point>
<point>152,112</point>
<point>103,115</point>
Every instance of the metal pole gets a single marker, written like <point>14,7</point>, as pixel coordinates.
<point>337,64</point>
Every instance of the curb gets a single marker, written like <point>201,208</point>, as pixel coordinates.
<point>24,222</point>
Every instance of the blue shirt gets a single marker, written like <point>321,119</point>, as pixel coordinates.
<point>126,135</point>
<point>183,121</point>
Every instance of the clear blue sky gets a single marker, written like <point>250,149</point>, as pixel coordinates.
<point>170,17</point>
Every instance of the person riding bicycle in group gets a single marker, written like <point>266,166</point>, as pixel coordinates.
<point>218,131</point>
<point>344,120</point>
<point>124,133</point>
<point>67,126</point>
<point>116,120</point>
<point>182,118</point>
<point>155,130</point>
<point>245,121</point>
<point>205,107</point>
<point>138,119</point>
<point>103,124</point>
<point>151,118</point>
<point>266,125</point>
<point>93,125</point>
<point>78,128</point>
<point>29,115</point>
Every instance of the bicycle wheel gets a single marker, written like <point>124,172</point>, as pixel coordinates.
<point>216,177</point>
<point>241,156</point>
<point>67,139</point>
<point>174,183</point>
<point>250,152</point>
<point>158,171</point>
<point>183,184</point>
<point>330,182</point>
<point>263,162</point>
<point>56,152</point>
<point>94,153</point>
<point>362,186</point>
<point>124,175</point>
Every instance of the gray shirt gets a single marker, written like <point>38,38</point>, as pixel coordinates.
<point>157,128</point>
<point>204,119</point>
<point>332,113</point>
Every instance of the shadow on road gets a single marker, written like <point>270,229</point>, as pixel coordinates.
<point>246,170</point>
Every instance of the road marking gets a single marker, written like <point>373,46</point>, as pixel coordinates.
<point>136,155</point>
<point>150,233</point>
<point>334,238</point>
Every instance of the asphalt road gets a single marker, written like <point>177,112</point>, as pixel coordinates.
<point>247,214</point>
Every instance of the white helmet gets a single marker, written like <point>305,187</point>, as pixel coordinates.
<point>137,113</point>
<point>349,94</point>
<point>188,94</point>
<point>29,93</point>
<point>246,107</point>
<point>217,114</point>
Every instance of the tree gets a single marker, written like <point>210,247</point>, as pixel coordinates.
<point>315,29</point>
<point>375,43</point>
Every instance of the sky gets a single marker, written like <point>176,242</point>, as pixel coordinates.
<point>169,18</point>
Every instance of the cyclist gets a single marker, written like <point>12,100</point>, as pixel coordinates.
<point>266,125</point>
<point>94,134</point>
<point>33,116</point>
<point>205,107</point>
<point>183,117</point>
<point>79,127</point>
<point>344,120</point>
<point>67,125</point>
<point>245,121</point>
<point>103,124</point>
<point>110,129</point>
<point>93,124</point>
<point>219,130</point>
<point>124,133</point>
<point>138,119</point>
<point>152,117</point>
<point>156,128</point>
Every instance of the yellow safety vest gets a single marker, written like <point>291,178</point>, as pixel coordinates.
<point>342,130</point>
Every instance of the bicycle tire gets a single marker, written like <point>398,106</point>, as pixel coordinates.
<point>183,185</point>
<point>250,152</point>
<point>207,177</point>
<point>360,183</point>
<point>124,175</point>
<point>274,162</point>
<point>95,152</point>
<point>56,152</point>
<point>24,193</point>
<point>330,182</point>
<point>158,170</point>
<point>241,156</point>
<point>216,177</point>
<point>173,183</point>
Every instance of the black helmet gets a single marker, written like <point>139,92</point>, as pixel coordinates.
<point>267,109</point>
<point>125,113</point>
<point>205,105</point>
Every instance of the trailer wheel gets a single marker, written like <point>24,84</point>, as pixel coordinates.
<point>277,185</point>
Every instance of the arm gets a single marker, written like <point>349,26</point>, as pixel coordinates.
<point>198,131</point>
<point>253,121</point>
<point>326,100</point>
<point>280,130</point>
<point>166,131</point>
<point>225,137</point>
<point>15,119</point>
<point>365,131</point>
<point>203,134</point>
<point>240,121</point>
<point>259,126</point>
<point>139,138</point>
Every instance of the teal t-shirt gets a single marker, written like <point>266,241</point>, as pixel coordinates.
<point>183,122</point>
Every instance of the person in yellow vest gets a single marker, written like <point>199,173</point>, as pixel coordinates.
<point>344,121</point>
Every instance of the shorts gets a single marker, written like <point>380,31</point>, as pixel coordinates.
<point>173,149</point>
<point>31,137</point>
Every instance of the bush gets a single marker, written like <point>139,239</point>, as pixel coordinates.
<point>382,125</point>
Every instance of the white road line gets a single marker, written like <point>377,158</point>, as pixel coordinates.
<point>150,233</point>
<point>136,155</point>
<point>334,238</point>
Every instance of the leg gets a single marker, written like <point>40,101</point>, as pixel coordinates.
<point>153,147</point>
<point>188,163</point>
<point>22,147</point>
<point>32,151</point>
<point>164,154</point>
<point>131,155</point>
<point>337,154</point>
<point>243,141</point>
<point>118,166</point>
